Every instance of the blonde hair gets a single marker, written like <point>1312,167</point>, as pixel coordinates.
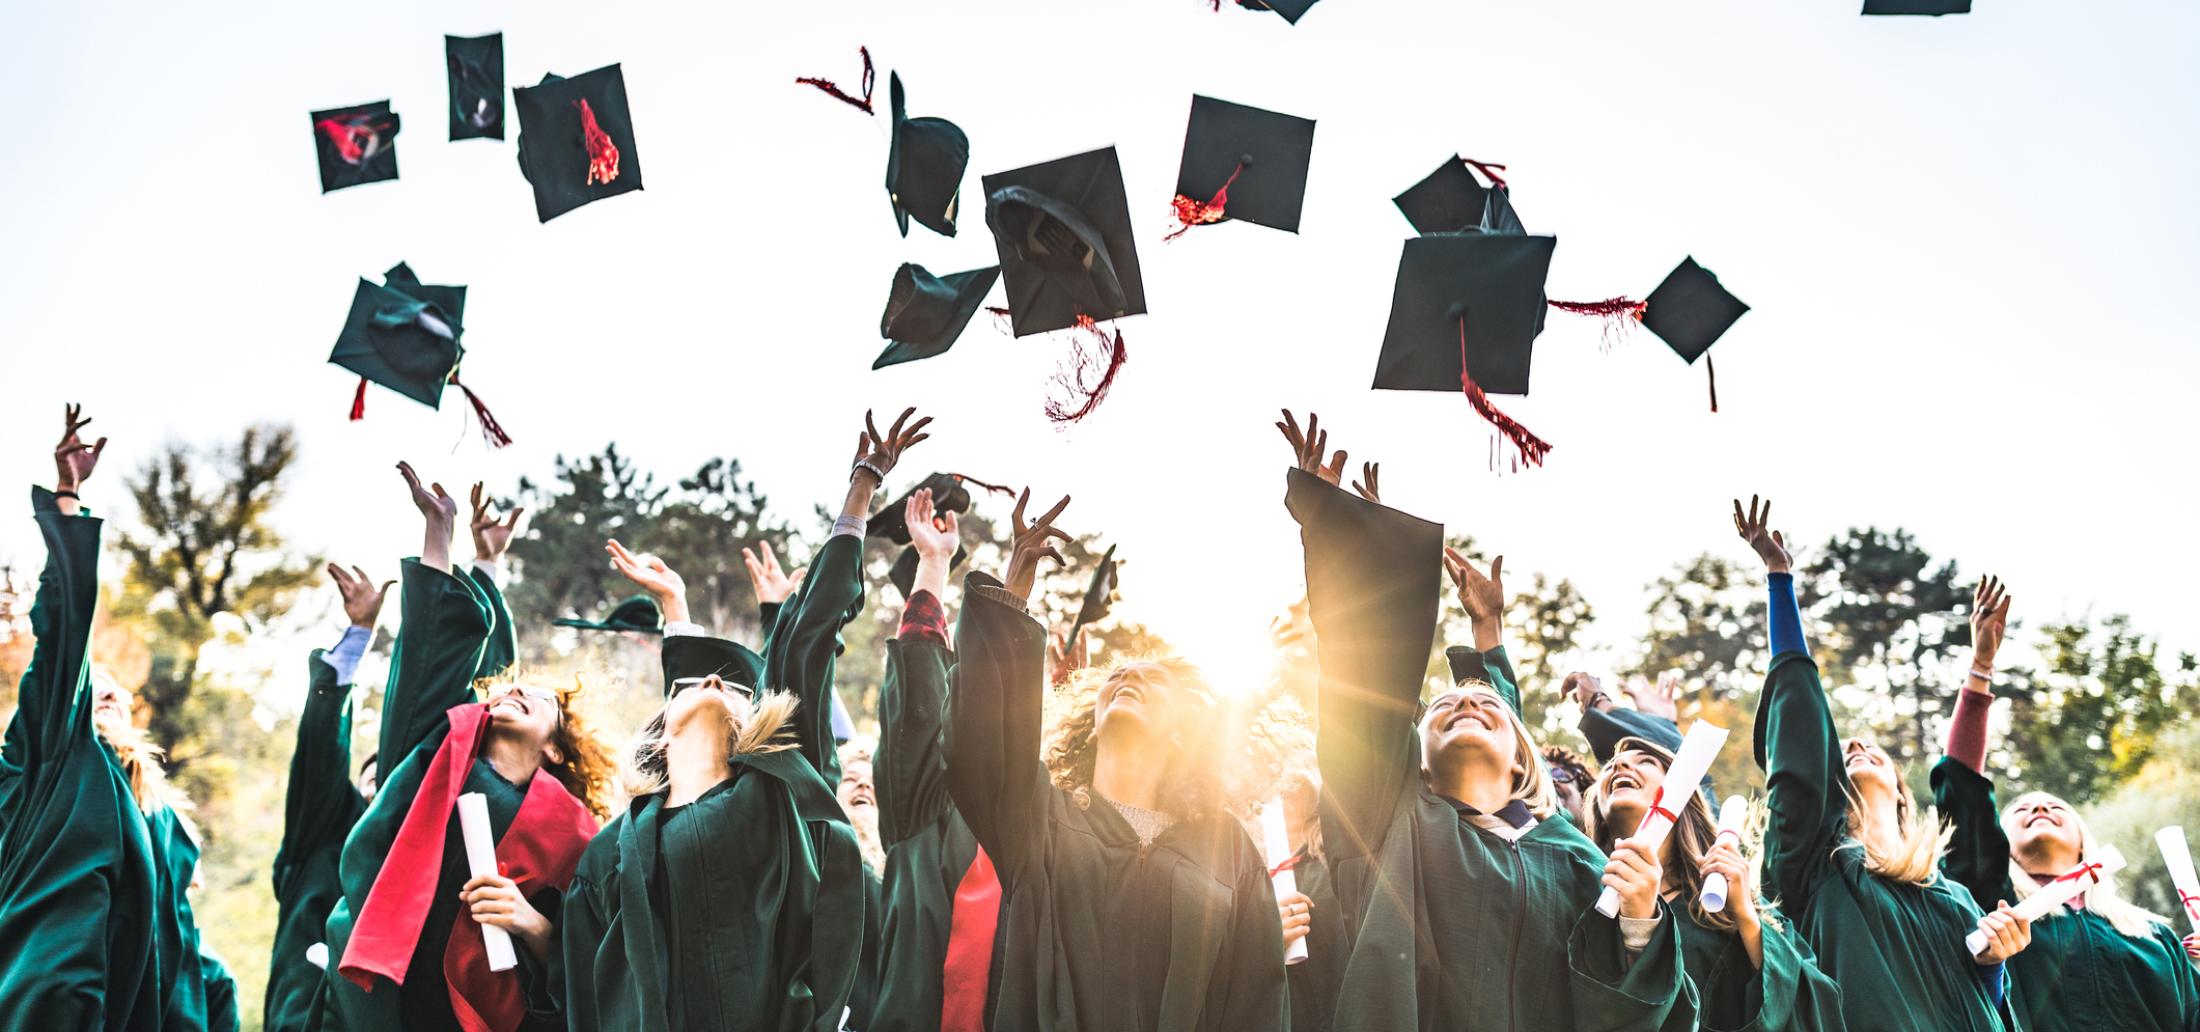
<point>767,727</point>
<point>1692,837</point>
<point>587,766</point>
<point>1911,854</point>
<point>1531,784</point>
<point>1235,767</point>
<point>141,761</point>
<point>2126,917</point>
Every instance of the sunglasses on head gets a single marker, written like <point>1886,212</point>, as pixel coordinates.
<point>1563,776</point>
<point>681,684</point>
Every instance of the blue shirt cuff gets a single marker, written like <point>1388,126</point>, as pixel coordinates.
<point>1996,979</point>
<point>349,650</point>
<point>1786,614</point>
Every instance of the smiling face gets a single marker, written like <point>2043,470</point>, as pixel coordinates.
<point>856,789</point>
<point>110,701</point>
<point>1144,698</point>
<point>723,705</point>
<point>1629,786</point>
<point>1469,721</point>
<point>1869,767</point>
<point>526,713</point>
<point>2042,826</point>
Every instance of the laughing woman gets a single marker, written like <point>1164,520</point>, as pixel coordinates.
<point>1852,859</point>
<point>2100,963</point>
<point>1135,901</point>
<point>729,895</point>
<point>405,938</point>
<point>1467,899</point>
<point>1750,969</point>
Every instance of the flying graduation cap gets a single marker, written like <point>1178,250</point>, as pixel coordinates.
<point>576,140</point>
<point>1291,10</point>
<point>1464,316</point>
<point>924,167</point>
<point>926,313</point>
<point>1689,312</point>
<point>689,658</point>
<point>476,66</point>
<point>638,614</point>
<point>1452,200</point>
<point>404,335</point>
<point>1933,7</point>
<point>1099,596</point>
<point>355,145</point>
<point>892,522</point>
<point>1242,163</point>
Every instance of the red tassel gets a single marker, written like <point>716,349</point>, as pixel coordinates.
<point>1191,213</point>
<point>359,401</point>
<point>1488,171</point>
<point>1531,448</point>
<point>603,155</point>
<point>351,137</point>
<point>490,430</point>
<point>1108,361</point>
<point>1001,320</point>
<point>1618,314</point>
<point>1712,376</point>
<point>870,75</point>
<point>995,488</point>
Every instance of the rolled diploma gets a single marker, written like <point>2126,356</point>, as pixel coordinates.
<point>481,859</point>
<point>1276,843</point>
<point>2055,893</point>
<point>1732,815</point>
<point>2177,857</point>
<point>1682,779</point>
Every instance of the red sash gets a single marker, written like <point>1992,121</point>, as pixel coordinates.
<point>969,961</point>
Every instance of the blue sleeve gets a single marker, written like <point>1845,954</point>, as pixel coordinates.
<point>1996,979</point>
<point>348,652</point>
<point>1787,616</point>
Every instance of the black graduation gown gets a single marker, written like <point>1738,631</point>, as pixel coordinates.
<point>77,868</point>
<point>319,808</point>
<point>1315,980</point>
<point>1101,933</point>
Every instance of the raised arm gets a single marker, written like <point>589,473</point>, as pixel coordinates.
<point>445,627</point>
<point>1795,741</point>
<point>1371,588</point>
<point>492,537</point>
<point>1482,595</point>
<point>53,705</point>
<point>995,709</point>
<point>321,802</point>
<point>1978,852</point>
<point>910,765</point>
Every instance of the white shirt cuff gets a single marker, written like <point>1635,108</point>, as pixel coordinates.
<point>1635,932</point>
<point>850,525</point>
<point>493,570</point>
<point>684,629</point>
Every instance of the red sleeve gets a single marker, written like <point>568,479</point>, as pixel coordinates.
<point>924,619</point>
<point>1967,734</point>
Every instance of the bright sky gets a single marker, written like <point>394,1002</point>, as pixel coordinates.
<point>1968,242</point>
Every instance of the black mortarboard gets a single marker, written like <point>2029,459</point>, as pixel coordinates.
<point>356,144</point>
<point>892,522</point>
<point>1063,229</point>
<point>1917,6</point>
<point>639,613</point>
<point>1451,199</point>
<point>925,313</point>
<point>924,167</point>
<point>1292,10</point>
<point>476,65</point>
<point>1494,283</point>
<point>1243,163</point>
<point>1099,595</point>
<point>403,335</point>
<point>1689,312</point>
<point>576,140</point>
<point>904,573</point>
<point>692,657</point>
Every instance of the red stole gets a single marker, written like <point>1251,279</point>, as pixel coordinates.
<point>969,961</point>
<point>538,851</point>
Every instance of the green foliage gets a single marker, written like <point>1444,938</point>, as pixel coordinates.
<point>2160,793</point>
<point>1887,622</point>
<point>1707,619</point>
<point>2090,717</point>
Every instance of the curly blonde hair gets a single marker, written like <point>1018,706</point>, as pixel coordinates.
<point>589,766</point>
<point>1237,765</point>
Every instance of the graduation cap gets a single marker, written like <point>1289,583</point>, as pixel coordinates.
<point>924,167</point>
<point>476,65</point>
<point>1934,7</point>
<point>1689,311</point>
<point>404,335</point>
<point>1063,230</point>
<point>904,573</point>
<point>355,144</point>
<point>1292,10</point>
<point>1452,200</point>
<point>1464,316</point>
<point>926,313</point>
<point>1099,595</point>
<point>638,614</point>
<point>576,140</point>
<point>1247,164</point>
<point>948,495</point>
<point>688,658</point>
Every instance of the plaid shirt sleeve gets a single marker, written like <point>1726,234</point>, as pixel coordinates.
<point>924,619</point>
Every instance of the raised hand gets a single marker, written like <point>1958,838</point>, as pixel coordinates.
<point>2007,934</point>
<point>772,585</point>
<point>1634,873</point>
<point>1770,545</point>
<point>1307,447</point>
<point>73,460</point>
<point>1366,486</point>
<point>879,452</point>
<point>935,536</point>
<point>491,535</point>
<point>650,574</point>
<point>1586,691</point>
<point>439,512</point>
<point>1482,596</point>
<point>1989,621</point>
<point>1660,700</point>
<point>1066,659</point>
<point>362,600</point>
<point>1031,543</point>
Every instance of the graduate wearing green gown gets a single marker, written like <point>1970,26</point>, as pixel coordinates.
<point>1136,903</point>
<point>403,867</point>
<point>1457,915</point>
<point>178,952</point>
<point>729,897</point>
<point>2097,964</point>
<point>1894,943</point>
<point>77,868</point>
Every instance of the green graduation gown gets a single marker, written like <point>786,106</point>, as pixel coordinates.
<point>1315,980</point>
<point>77,868</point>
<point>742,910</point>
<point>1101,933</point>
<point>176,930</point>
<point>221,991</point>
<point>319,809</point>
<point>1790,992</point>
<point>454,628</point>
<point>1448,926</point>
<point>1896,948</point>
<point>2079,974</point>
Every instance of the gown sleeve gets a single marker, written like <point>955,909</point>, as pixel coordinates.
<point>1790,993</point>
<point>1614,993</point>
<point>910,766</point>
<point>446,627</point>
<point>1371,587</point>
<point>1800,752</point>
<point>804,646</point>
<point>500,651</point>
<point>320,803</point>
<point>1605,728</point>
<point>53,706</point>
<point>994,721</point>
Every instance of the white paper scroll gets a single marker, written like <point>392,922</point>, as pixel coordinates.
<point>1682,779</point>
<point>1276,844</point>
<point>317,955</point>
<point>1733,814</point>
<point>481,859</point>
<point>2177,857</point>
<point>2056,893</point>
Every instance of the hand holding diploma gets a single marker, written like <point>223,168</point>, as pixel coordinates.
<point>494,900</point>
<point>1733,814</point>
<point>1990,942</point>
<point>1296,911</point>
<point>1690,764</point>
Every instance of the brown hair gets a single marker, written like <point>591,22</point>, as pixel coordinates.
<point>588,766</point>
<point>1235,767</point>
<point>1531,785</point>
<point>1692,837</point>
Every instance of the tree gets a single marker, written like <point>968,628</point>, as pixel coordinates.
<point>205,547</point>
<point>1707,620</point>
<point>2092,717</point>
<point>1890,621</point>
